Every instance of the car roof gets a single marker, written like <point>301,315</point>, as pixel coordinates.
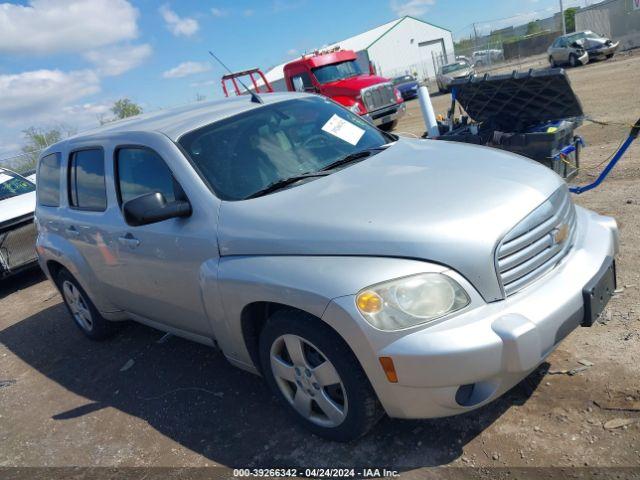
<point>175,122</point>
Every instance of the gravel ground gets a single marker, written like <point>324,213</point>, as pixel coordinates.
<point>67,401</point>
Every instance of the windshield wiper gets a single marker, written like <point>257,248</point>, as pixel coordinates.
<point>352,157</point>
<point>284,182</point>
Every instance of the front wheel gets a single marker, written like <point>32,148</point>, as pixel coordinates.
<point>609,56</point>
<point>387,127</point>
<point>317,377</point>
<point>573,60</point>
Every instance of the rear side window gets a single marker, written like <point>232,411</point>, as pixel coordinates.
<point>48,185</point>
<point>140,171</point>
<point>87,189</point>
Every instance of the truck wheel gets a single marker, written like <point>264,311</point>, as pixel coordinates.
<point>387,127</point>
<point>82,309</point>
<point>317,377</point>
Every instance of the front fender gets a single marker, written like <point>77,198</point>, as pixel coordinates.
<point>308,283</point>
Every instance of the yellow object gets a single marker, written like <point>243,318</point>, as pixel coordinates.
<point>552,129</point>
<point>369,302</point>
<point>389,369</point>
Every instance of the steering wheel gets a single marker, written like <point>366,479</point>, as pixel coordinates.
<point>321,141</point>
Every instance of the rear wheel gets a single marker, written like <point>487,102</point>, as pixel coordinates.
<point>317,377</point>
<point>82,309</point>
<point>610,56</point>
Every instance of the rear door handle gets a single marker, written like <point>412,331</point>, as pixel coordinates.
<point>72,231</point>
<point>129,240</point>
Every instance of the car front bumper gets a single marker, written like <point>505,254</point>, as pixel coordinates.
<point>599,53</point>
<point>464,362</point>
<point>17,245</point>
<point>584,58</point>
<point>386,114</point>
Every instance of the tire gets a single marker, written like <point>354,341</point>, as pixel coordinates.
<point>552,62</point>
<point>387,127</point>
<point>609,56</point>
<point>297,378</point>
<point>82,310</point>
<point>573,60</point>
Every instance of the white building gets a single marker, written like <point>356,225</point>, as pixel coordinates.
<point>405,45</point>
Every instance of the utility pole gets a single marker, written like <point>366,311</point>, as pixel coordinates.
<point>564,27</point>
<point>475,37</point>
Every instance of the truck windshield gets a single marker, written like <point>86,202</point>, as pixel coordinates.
<point>13,185</point>
<point>337,71</point>
<point>244,154</point>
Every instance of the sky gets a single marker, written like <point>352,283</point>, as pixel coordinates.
<point>69,60</point>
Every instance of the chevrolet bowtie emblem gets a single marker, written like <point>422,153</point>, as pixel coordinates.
<point>561,233</point>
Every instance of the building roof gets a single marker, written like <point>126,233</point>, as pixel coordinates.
<point>356,43</point>
<point>175,122</point>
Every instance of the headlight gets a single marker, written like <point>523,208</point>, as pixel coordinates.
<point>410,301</point>
<point>355,108</point>
<point>398,94</point>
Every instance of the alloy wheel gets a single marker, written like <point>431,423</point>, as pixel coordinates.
<point>77,305</point>
<point>308,380</point>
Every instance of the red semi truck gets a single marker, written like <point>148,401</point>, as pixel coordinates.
<point>337,75</point>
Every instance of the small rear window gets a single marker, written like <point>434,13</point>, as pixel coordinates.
<point>48,186</point>
<point>87,190</point>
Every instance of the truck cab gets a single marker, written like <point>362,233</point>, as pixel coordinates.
<point>337,75</point>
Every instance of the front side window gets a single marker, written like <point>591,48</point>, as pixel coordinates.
<point>337,71</point>
<point>49,180</point>
<point>242,155</point>
<point>302,82</point>
<point>12,185</point>
<point>87,189</point>
<point>453,67</point>
<point>141,171</point>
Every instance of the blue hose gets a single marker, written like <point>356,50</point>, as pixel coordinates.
<point>635,130</point>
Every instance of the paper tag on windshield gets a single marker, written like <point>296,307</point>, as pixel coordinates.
<point>343,129</point>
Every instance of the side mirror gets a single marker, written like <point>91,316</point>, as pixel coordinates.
<point>152,208</point>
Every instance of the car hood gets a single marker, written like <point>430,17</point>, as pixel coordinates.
<point>458,73</point>
<point>406,85</point>
<point>352,85</point>
<point>589,43</point>
<point>17,206</point>
<point>444,202</point>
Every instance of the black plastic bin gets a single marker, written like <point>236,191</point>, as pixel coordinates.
<point>533,114</point>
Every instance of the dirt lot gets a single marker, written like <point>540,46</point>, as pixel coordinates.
<point>65,400</point>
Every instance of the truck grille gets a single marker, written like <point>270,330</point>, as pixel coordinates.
<point>538,243</point>
<point>378,96</point>
<point>17,245</point>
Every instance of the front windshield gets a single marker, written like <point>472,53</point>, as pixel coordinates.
<point>337,71</point>
<point>244,154</point>
<point>403,79</point>
<point>453,67</point>
<point>582,36</point>
<point>13,185</point>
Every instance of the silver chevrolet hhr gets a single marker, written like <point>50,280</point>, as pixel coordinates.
<point>358,273</point>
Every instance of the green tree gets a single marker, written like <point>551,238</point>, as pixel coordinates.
<point>39,138</point>
<point>533,27</point>
<point>124,108</point>
<point>570,19</point>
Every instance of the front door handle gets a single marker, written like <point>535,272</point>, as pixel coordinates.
<point>129,240</point>
<point>73,231</point>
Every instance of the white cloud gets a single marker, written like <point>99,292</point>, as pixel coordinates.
<point>411,7</point>
<point>112,61</point>
<point>292,51</point>
<point>187,68</point>
<point>218,12</point>
<point>206,83</point>
<point>41,94</point>
<point>50,26</point>
<point>248,12</point>
<point>179,25</point>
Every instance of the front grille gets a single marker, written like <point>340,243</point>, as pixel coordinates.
<point>535,245</point>
<point>17,246</point>
<point>378,96</point>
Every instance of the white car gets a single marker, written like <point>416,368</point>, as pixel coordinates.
<point>17,230</point>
